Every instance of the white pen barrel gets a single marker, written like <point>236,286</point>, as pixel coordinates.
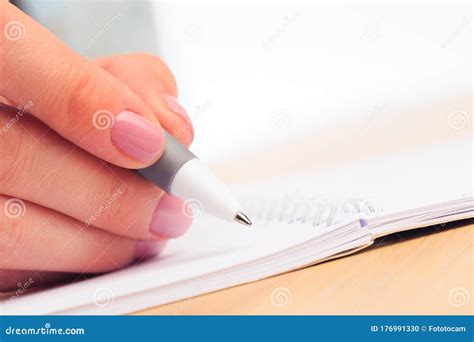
<point>195,183</point>
<point>180,173</point>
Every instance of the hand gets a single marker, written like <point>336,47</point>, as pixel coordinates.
<point>69,130</point>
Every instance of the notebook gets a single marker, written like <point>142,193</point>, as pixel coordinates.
<point>300,220</point>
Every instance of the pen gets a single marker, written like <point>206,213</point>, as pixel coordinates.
<point>180,173</point>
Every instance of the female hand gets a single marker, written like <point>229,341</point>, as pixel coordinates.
<point>69,130</point>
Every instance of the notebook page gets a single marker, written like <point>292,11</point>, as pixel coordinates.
<point>403,181</point>
<point>210,247</point>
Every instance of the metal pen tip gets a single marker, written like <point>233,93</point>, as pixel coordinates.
<point>242,219</point>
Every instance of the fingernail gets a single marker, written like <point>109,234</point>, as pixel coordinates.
<point>146,249</point>
<point>173,104</point>
<point>137,137</point>
<point>169,219</point>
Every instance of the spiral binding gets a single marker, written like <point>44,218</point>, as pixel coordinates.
<point>309,210</point>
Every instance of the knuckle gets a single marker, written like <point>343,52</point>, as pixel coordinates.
<point>66,106</point>
<point>159,66</point>
<point>110,209</point>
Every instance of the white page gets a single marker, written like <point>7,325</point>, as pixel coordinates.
<point>209,247</point>
<point>401,181</point>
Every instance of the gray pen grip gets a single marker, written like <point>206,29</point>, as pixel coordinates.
<point>163,171</point>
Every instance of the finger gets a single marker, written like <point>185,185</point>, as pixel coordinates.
<point>144,64</point>
<point>73,96</point>
<point>39,166</point>
<point>44,240</point>
<point>149,77</point>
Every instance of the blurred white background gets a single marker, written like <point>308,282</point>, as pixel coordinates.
<point>254,74</point>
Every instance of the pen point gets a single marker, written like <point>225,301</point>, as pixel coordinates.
<point>242,219</point>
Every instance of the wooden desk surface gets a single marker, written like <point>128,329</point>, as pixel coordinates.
<point>426,271</point>
<point>418,272</point>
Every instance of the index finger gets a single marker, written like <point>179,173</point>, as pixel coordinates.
<point>73,96</point>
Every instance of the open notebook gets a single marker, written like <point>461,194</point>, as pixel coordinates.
<point>300,220</point>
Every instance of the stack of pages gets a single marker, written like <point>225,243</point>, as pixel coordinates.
<point>299,220</point>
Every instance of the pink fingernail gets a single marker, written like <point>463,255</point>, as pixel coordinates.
<point>137,137</point>
<point>146,249</point>
<point>174,106</point>
<point>170,219</point>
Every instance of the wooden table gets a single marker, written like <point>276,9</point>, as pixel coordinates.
<point>426,271</point>
<point>429,272</point>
